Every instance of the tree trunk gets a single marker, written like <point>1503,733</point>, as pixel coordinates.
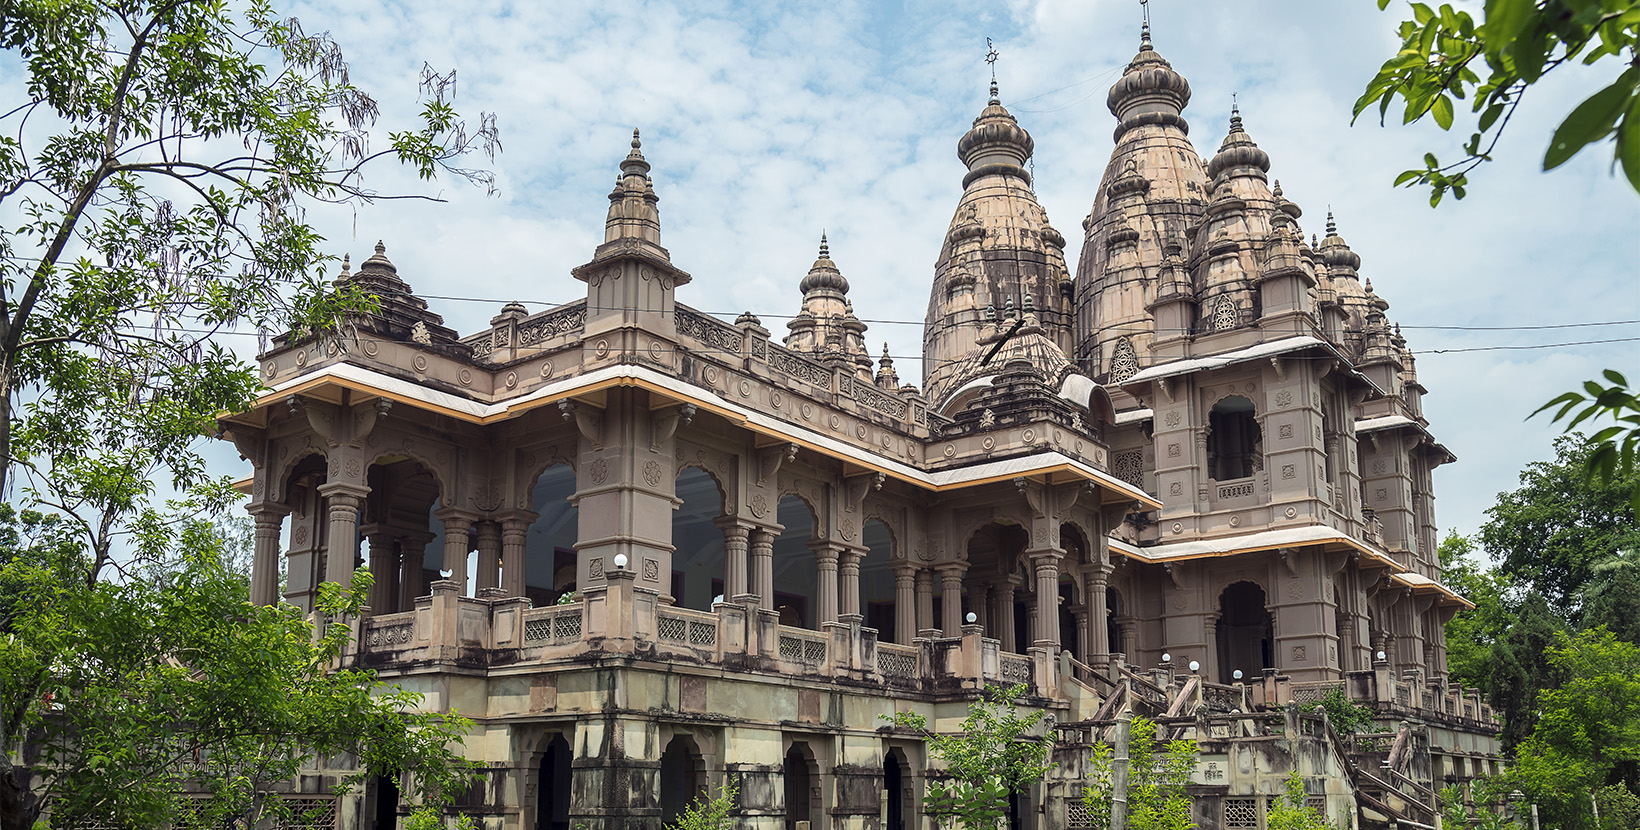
<point>18,807</point>
<point>5,431</point>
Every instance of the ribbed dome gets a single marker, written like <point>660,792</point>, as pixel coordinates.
<point>1335,251</point>
<point>823,274</point>
<point>996,144</point>
<point>1149,92</point>
<point>1238,151</point>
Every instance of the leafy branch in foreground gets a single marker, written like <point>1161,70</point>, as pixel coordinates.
<point>1613,449</point>
<point>709,812</point>
<point>1444,52</point>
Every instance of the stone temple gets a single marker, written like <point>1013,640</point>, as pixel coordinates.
<point>649,551</point>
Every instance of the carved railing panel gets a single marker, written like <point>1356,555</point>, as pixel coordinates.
<point>556,625</point>
<point>716,335</point>
<point>788,363</point>
<point>802,646</point>
<point>1316,691</point>
<point>567,319</point>
<point>896,660</point>
<point>1016,669</point>
<point>389,632</point>
<point>874,398</point>
<point>686,627</point>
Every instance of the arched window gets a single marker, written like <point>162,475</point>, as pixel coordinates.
<point>1225,313</point>
<point>1124,361</point>
<point>1246,633</point>
<point>1233,441</point>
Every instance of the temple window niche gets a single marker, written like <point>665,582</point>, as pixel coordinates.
<point>1234,440</point>
<point>1124,362</point>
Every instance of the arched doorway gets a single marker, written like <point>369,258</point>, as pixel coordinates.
<point>683,777</point>
<point>552,787</point>
<point>395,526</point>
<point>1113,629</point>
<point>896,774</point>
<point>1234,442</point>
<point>697,558</point>
<point>1246,632</point>
<point>802,776</point>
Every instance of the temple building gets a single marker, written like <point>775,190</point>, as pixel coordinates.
<point>649,551</point>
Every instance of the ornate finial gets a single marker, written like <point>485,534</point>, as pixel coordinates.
<point>991,56</point>
<point>825,250</point>
<point>1235,114</point>
<point>381,250</point>
<point>1277,191</point>
<point>1144,31</point>
<point>1313,241</point>
<point>990,312</point>
<point>636,144</point>
<point>347,264</point>
<point>1332,227</point>
<point>1030,302</point>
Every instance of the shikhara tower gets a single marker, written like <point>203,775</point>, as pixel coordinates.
<point>646,549</point>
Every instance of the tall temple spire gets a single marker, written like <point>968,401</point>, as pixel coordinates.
<point>1144,30</point>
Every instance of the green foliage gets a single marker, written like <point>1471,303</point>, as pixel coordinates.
<point>1588,735</point>
<point>708,811</point>
<point>1289,812</point>
<point>1549,533</point>
<point>1612,596</point>
<point>1346,716</point>
<point>1516,42</point>
<point>126,690</point>
<point>1521,668</point>
<point>1471,635</point>
<point>158,197</point>
<point>1619,807</point>
<point>1157,776</point>
<point>1000,749</point>
<point>1612,450</point>
<point>1454,814</point>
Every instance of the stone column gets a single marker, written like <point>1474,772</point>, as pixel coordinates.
<point>515,530</point>
<point>489,556</point>
<point>925,599</point>
<point>1047,600</point>
<point>456,544</point>
<point>1082,615</point>
<point>384,567</point>
<point>1128,628</point>
<point>735,536</point>
<point>1004,629</point>
<point>848,580</point>
<point>951,598</point>
<point>269,519</point>
<point>825,562</point>
<point>763,566</point>
<point>979,598</point>
<point>412,550</point>
<point>342,543</point>
<point>1097,641</point>
<point>905,603</point>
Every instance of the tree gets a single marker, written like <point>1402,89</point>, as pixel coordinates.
<point>128,691</point>
<point>1483,792</point>
<point>1157,776</point>
<point>999,751</point>
<point>1471,635</point>
<point>1588,735</point>
<point>154,183</point>
<point>1548,533</point>
<point>1518,42</point>
<point>1520,668</point>
<point>159,189</point>
<point>1612,596</point>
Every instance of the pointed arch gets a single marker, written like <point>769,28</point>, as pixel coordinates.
<point>1226,315</point>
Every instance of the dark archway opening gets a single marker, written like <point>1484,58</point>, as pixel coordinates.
<point>683,776</point>
<point>1233,439</point>
<point>387,802</point>
<point>802,777</point>
<point>894,776</point>
<point>1113,630</point>
<point>1246,632</point>
<point>552,787</point>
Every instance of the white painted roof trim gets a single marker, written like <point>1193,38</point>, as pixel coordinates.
<point>1022,466</point>
<point>1135,416</point>
<point>1198,364</point>
<point>1385,422</point>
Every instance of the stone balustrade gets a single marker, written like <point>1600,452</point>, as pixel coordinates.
<point>623,619</point>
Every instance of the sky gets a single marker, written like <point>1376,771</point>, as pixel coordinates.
<point>767,123</point>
